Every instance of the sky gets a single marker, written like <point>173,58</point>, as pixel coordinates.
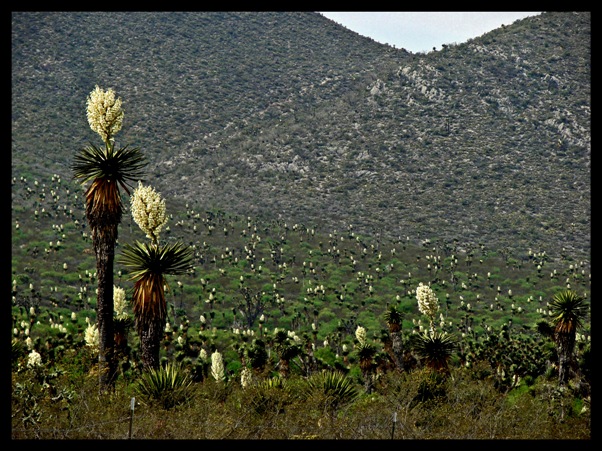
<point>418,31</point>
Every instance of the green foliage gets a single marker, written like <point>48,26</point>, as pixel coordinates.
<point>431,389</point>
<point>269,396</point>
<point>168,386</point>
<point>435,348</point>
<point>330,389</point>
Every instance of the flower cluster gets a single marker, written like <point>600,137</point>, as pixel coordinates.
<point>360,334</point>
<point>91,335</point>
<point>120,303</point>
<point>148,210</point>
<point>34,359</point>
<point>246,377</point>
<point>428,303</point>
<point>105,115</point>
<point>217,367</point>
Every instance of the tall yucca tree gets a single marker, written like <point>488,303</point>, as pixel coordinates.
<point>108,169</point>
<point>569,310</point>
<point>148,263</point>
<point>394,319</point>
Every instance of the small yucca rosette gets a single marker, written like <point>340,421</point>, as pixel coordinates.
<point>105,115</point>
<point>149,211</point>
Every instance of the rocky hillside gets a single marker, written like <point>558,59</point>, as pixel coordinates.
<point>290,115</point>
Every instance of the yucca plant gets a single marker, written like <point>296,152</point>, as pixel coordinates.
<point>147,264</point>
<point>168,385</point>
<point>394,319</point>
<point>366,352</point>
<point>331,389</point>
<point>287,350</point>
<point>107,169</point>
<point>435,348</point>
<point>568,312</point>
<point>17,350</point>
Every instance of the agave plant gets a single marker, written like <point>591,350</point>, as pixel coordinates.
<point>168,385</point>
<point>270,395</point>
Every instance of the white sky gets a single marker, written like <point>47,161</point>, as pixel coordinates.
<point>418,31</point>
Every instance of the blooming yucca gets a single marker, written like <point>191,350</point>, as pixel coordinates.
<point>91,335</point>
<point>428,303</point>
<point>148,263</point>
<point>105,115</point>
<point>246,377</point>
<point>203,354</point>
<point>119,303</point>
<point>360,334</point>
<point>34,359</point>
<point>217,367</point>
<point>107,169</point>
<point>148,210</point>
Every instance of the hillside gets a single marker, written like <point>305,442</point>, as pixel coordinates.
<point>288,115</point>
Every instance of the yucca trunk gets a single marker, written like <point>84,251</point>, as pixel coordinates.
<point>284,368</point>
<point>103,211</point>
<point>150,310</point>
<point>565,347</point>
<point>106,338</point>
<point>397,349</point>
<point>366,368</point>
<point>150,345</point>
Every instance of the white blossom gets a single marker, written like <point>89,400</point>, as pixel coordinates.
<point>119,303</point>
<point>91,335</point>
<point>360,334</point>
<point>217,367</point>
<point>34,359</point>
<point>104,112</point>
<point>149,211</point>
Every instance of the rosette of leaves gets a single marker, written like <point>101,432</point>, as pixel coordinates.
<point>329,390</point>
<point>435,349</point>
<point>569,311</point>
<point>148,263</point>
<point>167,386</point>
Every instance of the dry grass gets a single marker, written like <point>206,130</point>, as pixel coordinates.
<point>467,409</point>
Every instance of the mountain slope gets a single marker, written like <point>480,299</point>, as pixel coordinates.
<point>288,114</point>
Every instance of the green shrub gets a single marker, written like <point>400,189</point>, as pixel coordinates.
<point>167,386</point>
<point>329,390</point>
